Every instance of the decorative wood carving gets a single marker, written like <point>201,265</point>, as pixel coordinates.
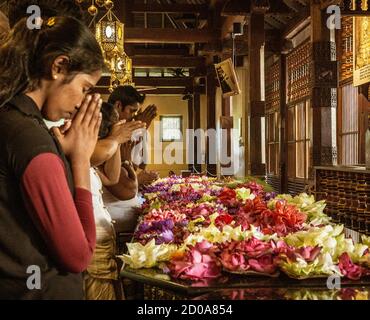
<point>324,97</point>
<point>273,74</point>
<point>298,66</point>
<point>347,194</point>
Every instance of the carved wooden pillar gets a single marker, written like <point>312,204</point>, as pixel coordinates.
<point>197,144</point>
<point>226,126</point>
<point>283,127</point>
<point>211,119</point>
<point>256,106</point>
<point>324,83</point>
<point>190,144</point>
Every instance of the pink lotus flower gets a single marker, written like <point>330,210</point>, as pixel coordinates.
<point>198,263</point>
<point>254,255</point>
<point>264,264</point>
<point>349,269</point>
<point>281,247</point>
<point>255,248</point>
<point>309,253</point>
<point>233,261</point>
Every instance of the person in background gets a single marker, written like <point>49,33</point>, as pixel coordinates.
<point>46,213</point>
<point>101,278</point>
<point>171,173</point>
<point>128,102</point>
<point>122,199</point>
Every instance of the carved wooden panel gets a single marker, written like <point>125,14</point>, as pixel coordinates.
<point>273,86</point>
<point>346,43</point>
<point>347,194</point>
<point>324,97</point>
<point>355,7</point>
<point>324,66</point>
<point>299,74</point>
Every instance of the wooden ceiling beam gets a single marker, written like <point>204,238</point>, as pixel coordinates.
<point>174,91</point>
<point>293,5</point>
<point>170,8</point>
<point>237,7</point>
<point>279,7</point>
<point>163,82</point>
<point>167,62</point>
<point>273,22</point>
<point>327,3</point>
<point>131,50</point>
<point>299,19</point>
<point>164,91</point>
<point>167,35</point>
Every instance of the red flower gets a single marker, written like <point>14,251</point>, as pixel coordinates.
<point>228,197</point>
<point>283,220</point>
<point>250,213</point>
<point>223,219</point>
<point>349,269</point>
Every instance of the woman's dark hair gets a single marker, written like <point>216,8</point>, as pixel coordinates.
<point>127,95</point>
<point>27,55</point>
<point>108,120</point>
<point>17,9</point>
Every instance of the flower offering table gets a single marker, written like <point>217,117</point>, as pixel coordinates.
<point>199,236</point>
<point>158,286</point>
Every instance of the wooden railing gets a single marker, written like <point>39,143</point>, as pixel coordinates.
<point>347,194</point>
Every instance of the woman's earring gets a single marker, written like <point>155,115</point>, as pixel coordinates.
<point>55,77</point>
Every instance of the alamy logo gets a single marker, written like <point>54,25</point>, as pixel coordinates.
<point>333,282</point>
<point>34,280</point>
<point>333,21</point>
<point>34,21</point>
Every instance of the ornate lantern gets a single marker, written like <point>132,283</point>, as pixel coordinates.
<point>120,69</point>
<point>110,32</point>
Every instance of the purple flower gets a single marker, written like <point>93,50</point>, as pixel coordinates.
<point>147,230</point>
<point>143,227</point>
<point>270,195</point>
<point>163,225</point>
<point>166,237</point>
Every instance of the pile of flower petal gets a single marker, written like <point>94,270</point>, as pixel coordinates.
<point>249,255</point>
<point>197,263</point>
<point>200,228</point>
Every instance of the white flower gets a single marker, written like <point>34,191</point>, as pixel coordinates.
<point>147,256</point>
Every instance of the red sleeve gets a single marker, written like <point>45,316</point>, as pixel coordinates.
<point>67,225</point>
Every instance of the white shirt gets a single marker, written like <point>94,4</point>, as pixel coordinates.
<point>124,213</point>
<point>103,219</point>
